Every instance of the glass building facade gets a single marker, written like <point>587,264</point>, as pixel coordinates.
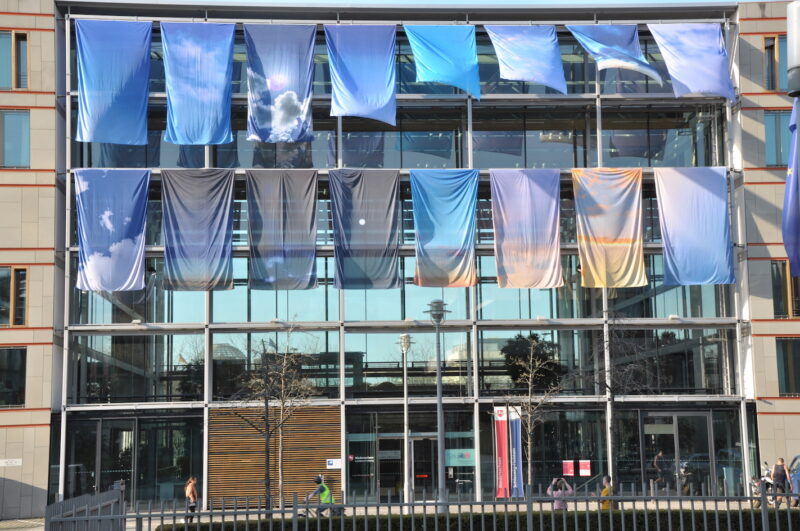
<point>639,369</point>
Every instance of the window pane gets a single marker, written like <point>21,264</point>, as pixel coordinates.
<point>782,62</point>
<point>22,61</point>
<point>777,137</point>
<point>136,368</point>
<point>20,295</point>
<point>779,288</point>
<point>12,377</point>
<point>788,350</point>
<point>5,60</point>
<point>5,296</point>
<point>16,139</point>
<point>769,63</point>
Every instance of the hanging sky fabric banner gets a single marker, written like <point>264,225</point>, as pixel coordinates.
<point>693,211</point>
<point>112,207</point>
<point>501,452</point>
<point>444,204</point>
<point>791,201</point>
<point>198,229</point>
<point>446,54</point>
<point>280,69</point>
<point>515,429</point>
<point>198,64</point>
<point>282,221</point>
<point>614,46</point>
<point>366,228</point>
<point>696,58</point>
<point>529,53</point>
<point>362,62</point>
<point>608,204</point>
<point>113,81</point>
<point>526,228</point>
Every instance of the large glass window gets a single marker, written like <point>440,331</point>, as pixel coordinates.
<point>776,137</point>
<point>168,452</point>
<point>15,139</point>
<point>788,353</point>
<point>12,377</point>
<point>785,290</point>
<point>105,369</point>
<point>239,362</point>
<point>13,294</point>
<point>674,361</point>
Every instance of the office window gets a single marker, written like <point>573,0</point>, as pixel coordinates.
<point>776,137</point>
<point>15,139</point>
<point>12,377</point>
<point>13,292</point>
<point>775,62</point>
<point>785,291</point>
<point>13,60</point>
<point>788,350</point>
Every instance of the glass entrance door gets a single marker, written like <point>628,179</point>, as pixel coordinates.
<point>116,454</point>
<point>390,469</point>
<point>423,465</point>
<point>680,446</point>
<point>659,452</point>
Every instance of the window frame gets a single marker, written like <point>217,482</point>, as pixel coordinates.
<point>24,378</point>
<point>772,83</point>
<point>779,133</point>
<point>13,296</point>
<point>790,289</point>
<point>780,363</point>
<point>15,36</point>
<point>3,157</point>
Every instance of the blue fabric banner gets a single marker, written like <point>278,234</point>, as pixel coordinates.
<point>529,53</point>
<point>791,201</point>
<point>693,211</point>
<point>446,54</point>
<point>525,212</point>
<point>366,228</point>
<point>614,46</point>
<point>362,63</point>
<point>696,58</point>
<point>198,64</point>
<point>198,229</point>
<point>282,218</point>
<point>515,428</point>
<point>111,210</point>
<point>113,58</point>
<point>444,203</point>
<point>280,70</point>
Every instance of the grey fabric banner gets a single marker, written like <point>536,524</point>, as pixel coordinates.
<point>198,229</point>
<point>366,228</point>
<point>282,218</point>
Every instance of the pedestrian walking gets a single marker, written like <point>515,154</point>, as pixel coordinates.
<point>780,481</point>
<point>559,489</point>
<point>605,494</point>
<point>190,491</point>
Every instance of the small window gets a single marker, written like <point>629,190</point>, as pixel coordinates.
<point>785,291</point>
<point>15,139</point>
<point>776,137</point>
<point>13,294</point>
<point>775,63</point>
<point>12,377</point>
<point>788,350</point>
<point>13,60</point>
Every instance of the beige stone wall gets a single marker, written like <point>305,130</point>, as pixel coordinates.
<point>27,239</point>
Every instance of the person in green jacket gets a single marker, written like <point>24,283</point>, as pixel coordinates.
<point>325,494</point>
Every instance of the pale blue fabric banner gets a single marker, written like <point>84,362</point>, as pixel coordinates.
<point>525,212</point>
<point>111,211</point>
<point>198,229</point>
<point>791,201</point>
<point>282,218</point>
<point>693,211</point>
<point>446,54</point>
<point>696,58</point>
<point>529,53</point>
<point>113,58</point>
<point>198,64</point>
<point>444,203</point>
<point>614,46</point>
<point>366,228</point>
<point>280,70</point>
<point>362,63</point>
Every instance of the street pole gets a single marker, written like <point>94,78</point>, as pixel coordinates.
<point>405,344</point>
<point>437,312</point>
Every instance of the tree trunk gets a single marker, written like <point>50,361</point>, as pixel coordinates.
<point>280,457</point>
<point>529,455</point>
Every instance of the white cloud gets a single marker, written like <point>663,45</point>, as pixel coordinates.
<point>81,185</point>
<point>123,270</point>
<point>105,220</point>
<point>286,110</point>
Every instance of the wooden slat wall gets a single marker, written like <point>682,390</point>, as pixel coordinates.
<point>236,452</point>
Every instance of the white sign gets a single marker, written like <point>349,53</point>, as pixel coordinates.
<point>10,462</point>
<point>333,463</point>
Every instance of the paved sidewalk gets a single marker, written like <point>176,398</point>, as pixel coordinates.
<point>28,523</point>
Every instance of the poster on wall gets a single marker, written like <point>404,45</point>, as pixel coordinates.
<point>515,423</point>
<point>501,451</point>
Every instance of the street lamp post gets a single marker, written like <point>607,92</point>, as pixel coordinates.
<point>437,313</point>
<point>405,344</point>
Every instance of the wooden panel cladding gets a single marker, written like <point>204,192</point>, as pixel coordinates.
<point>236,452</point>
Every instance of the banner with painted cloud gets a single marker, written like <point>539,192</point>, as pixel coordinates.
<point>614,46</point>
<point>111,211</point>
<point>280,71</point>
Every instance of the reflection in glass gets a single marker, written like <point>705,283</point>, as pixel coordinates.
<point>81,459</point>
<point>237,358</point>
<point>135,368</point>
<point>168,452</point>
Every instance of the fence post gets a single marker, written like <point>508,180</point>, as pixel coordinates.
<point>295,516</point>
<point>764,506</point>
<point>529,508</point>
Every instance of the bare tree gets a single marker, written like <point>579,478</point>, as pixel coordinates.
<point>278,383</point>
<point>533,367</point>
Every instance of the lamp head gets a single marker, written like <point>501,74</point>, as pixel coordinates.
<point>437,311</point>
<point>405,342</point>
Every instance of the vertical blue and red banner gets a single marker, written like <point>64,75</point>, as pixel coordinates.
<point>501,452</point>
<point>515,425</point>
